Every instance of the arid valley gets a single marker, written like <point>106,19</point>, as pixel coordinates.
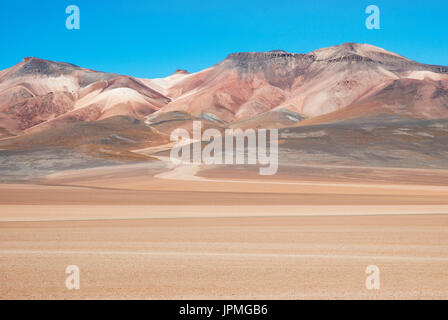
<point>134,235</point>
<point>362,180</point>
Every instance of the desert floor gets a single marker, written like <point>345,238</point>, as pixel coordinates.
<point>203,234</point>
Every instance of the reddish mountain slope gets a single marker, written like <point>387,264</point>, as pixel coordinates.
<point>246,85</point>
<point>36,92</point>
<point>265,89</point>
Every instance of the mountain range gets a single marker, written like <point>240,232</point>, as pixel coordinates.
<point>57,104</point>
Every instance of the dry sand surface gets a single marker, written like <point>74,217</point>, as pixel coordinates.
<point>255,257</point>
<point>140,235</point>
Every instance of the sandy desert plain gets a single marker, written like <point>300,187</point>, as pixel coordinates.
<point>189,232</point>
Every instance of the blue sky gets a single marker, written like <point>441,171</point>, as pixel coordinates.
<point>150,39</point>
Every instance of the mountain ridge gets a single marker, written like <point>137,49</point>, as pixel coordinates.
<point>36,92</point>
<point>352,104</point>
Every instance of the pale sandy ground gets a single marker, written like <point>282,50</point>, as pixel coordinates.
<point>203,258</point>
<point>134,235</point>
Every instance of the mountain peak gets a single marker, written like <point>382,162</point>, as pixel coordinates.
<point>28,59</point>
<point>37,66</point>
<point>362,51</point>
<point>180,71</point>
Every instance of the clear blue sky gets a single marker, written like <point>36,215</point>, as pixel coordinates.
<point>149,38</point>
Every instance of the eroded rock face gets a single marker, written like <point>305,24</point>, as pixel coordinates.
<point>33,111</point>
<point>278,67</point>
